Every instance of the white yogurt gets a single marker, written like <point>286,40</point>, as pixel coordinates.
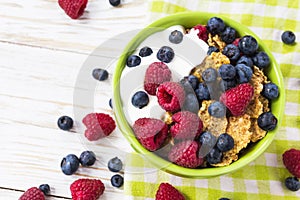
<point>189,53</point>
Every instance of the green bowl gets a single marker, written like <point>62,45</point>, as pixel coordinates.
<point>188,20</point>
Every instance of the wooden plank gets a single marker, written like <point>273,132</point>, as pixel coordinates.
<point>8,194</point>
<point>38,87</point>
<point>44,23</point>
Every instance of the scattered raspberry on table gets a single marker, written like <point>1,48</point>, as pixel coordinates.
<point>87,189</point>
<point>98,125</point>
<point>291,160</point>
<point>166,191</point>
<point>33,194</point>
<point>73,8</point>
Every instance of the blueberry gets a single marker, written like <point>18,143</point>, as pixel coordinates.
<point>176,37</point>
<point>267,121</point>
<point>193,80</point>
<point>212,49</point>
<point>100,74</point>
<point>207,139</point>
<point>244,73</point>
<point>225,142</point>
<point>186,84</point>
<point>69,164</point>
<point>133,61</point>
<point>87,158</point>
<point>214,156</point>
<point>288,37</point>
<point>209,75</point>
<point>165,54</point>
<point>140,99</point>
<point>215,25</point>
<point>217,109</point>
<point>115,164</point>
<point>202,92</point>
<point>145,51</point>
<point>227,72</point>
<point>117,180</point>
<point>270,91</point>
<point>246,60</point>
<point>65,123</point>
<point>224,198</point>
<point>45,188</point>
<point>191,103</point>
<point>232,52</point>
<point>115,2</point>
<point>226,85</point>
<point>261,60</point>
<point>228,35</point>
<point>110,103</point>
<point>292,183</point>
<point>248,45</point>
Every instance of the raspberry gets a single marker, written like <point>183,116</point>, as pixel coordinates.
<point>98,125</point>
<point>87,189</point>
<point>291,160</point>
<point>166,192</point>
<point>202,32</point>
<point>185,154</point>
<point>236,42</point>
<point>170,96</point>
<point>151,132</point>
<point>33,194</point>
<point>187,125</point>
<point>237,99</point>
<point>73,8</point>
<point>156,73</point>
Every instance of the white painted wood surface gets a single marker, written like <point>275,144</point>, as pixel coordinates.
<point>41,53</point>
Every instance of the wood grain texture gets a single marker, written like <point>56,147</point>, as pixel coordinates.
<point>44,54</point>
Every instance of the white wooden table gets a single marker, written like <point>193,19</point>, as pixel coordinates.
<point>42,52</point>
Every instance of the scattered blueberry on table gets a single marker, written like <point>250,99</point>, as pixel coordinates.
<point>100,74</point>
<point>115,164</point>
<point>45,188</point>
<point>69,164</point>
<point>65,123</point>
<point>288,37</point>
<point>117,180</point>
<point>292,183</point>
<point>87,158</point>
<point>115,2</point>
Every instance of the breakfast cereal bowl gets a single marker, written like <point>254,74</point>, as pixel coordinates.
<point>128,80</point>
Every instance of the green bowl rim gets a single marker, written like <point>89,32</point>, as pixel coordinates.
<point>255,151</point>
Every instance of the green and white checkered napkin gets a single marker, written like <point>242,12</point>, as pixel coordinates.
<point>263,178</point>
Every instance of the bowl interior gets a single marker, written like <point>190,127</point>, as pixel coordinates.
<point>188,20</point>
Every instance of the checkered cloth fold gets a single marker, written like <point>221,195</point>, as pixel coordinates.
<point>263,178</point>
